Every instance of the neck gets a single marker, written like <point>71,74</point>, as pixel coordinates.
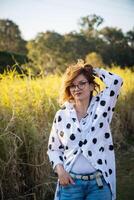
<point>82,105</point>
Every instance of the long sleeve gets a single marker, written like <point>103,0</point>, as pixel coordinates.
<point>111,92</point>
<point>55,148</point>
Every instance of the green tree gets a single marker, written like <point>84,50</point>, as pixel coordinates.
<point>112,35</point>
<point>130,38</point>
<point>89,29</point>
<point>10,37</point>
<point>45,51</point>
<point>52,52</point>
<point>89,25</point>
<point>75,46</point>
<point>116,47</point>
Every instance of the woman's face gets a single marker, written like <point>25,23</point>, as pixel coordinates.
<point>80,88</point>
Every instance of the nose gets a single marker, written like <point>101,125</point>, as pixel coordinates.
<point>76,88</point>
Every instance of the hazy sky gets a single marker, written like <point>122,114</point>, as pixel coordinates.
<point>62,16</point>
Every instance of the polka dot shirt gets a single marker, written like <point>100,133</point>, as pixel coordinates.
<point>91,136</point>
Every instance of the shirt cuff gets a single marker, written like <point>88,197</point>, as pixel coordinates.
<point>96,70</point>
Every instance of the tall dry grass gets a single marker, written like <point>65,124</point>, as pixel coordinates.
<point>27,108</point>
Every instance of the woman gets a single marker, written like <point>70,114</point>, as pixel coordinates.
<point>80,145</point>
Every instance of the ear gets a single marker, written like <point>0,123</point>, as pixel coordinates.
<point>92,87</point>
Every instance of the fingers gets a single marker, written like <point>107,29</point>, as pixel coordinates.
<point>66,180</point>
<point>64,183</point>
<point>71,180</point>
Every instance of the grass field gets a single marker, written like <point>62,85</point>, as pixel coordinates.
<point>27,108</point>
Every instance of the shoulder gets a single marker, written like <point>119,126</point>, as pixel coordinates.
<point>64,109</point>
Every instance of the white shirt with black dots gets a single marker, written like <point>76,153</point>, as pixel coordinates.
<point>90,137</point>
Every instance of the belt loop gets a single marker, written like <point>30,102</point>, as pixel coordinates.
<point>99,180</point>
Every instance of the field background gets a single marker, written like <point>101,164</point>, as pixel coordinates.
<point>27,108</point>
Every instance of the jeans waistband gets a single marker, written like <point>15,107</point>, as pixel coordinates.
<point>96,175</point>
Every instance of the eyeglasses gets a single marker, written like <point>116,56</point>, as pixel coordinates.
<point>80,85</point>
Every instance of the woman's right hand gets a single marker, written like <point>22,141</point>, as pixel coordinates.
<point>64,177</point>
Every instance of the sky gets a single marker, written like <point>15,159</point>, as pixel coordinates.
<point>62,16</point>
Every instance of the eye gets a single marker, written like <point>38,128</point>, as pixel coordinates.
<point>72,86</point>
<point>82,82</point>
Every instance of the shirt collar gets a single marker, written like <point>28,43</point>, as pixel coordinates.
<point>70,105</point>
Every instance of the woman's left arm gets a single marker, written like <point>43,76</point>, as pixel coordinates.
<point>111,92</point>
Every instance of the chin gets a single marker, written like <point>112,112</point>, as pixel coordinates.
<point>80,98</point>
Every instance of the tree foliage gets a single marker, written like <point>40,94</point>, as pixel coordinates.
<point>118,48</point>
<point>45,51</point>
<point>89,25</point>
<point>10,37</point>
<point>52,52</point>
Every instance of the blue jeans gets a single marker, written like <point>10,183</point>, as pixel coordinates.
<point>85,190</point>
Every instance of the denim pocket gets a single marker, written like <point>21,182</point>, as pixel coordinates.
<point>103,179</point>
<point>67,186</point>
<point>105,183</point>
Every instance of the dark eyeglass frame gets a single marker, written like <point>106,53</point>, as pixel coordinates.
<point>80,85</point>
